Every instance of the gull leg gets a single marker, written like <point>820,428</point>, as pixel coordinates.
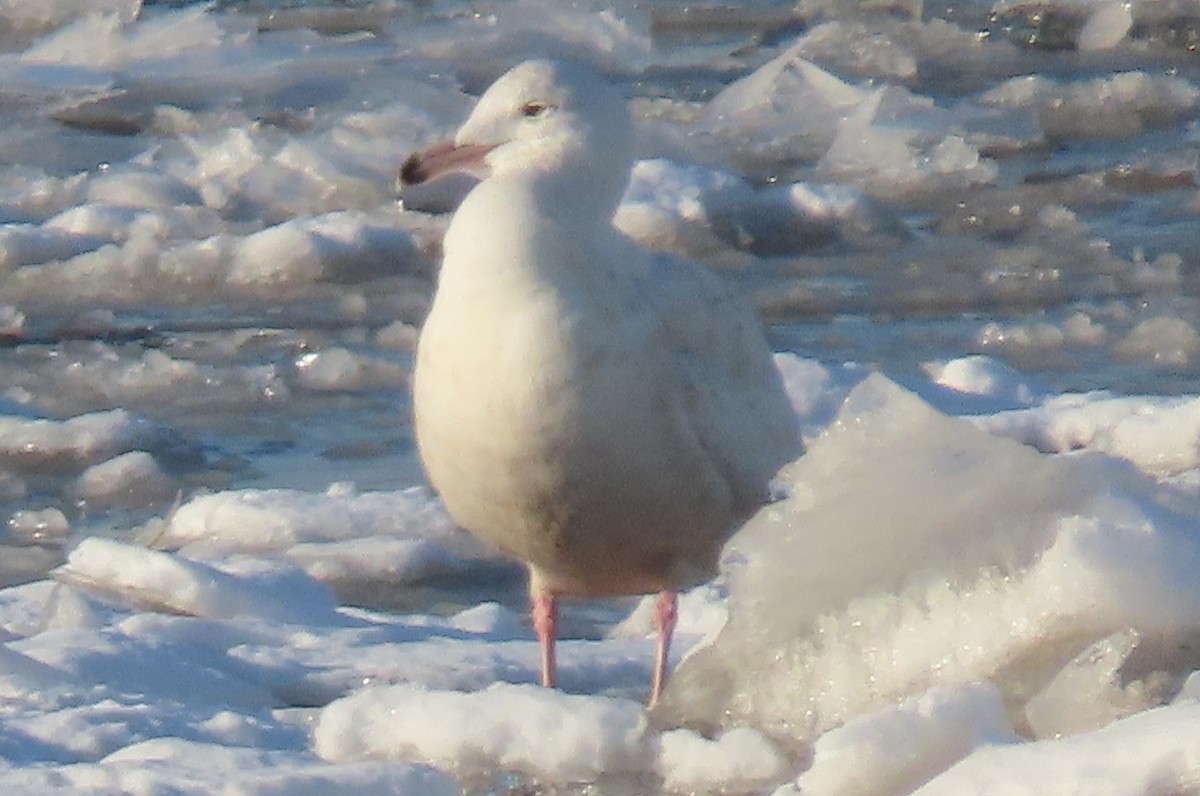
<point>666,611</point>
<point>545,625</point>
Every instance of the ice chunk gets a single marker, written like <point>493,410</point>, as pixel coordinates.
<point>917,511</point>
<point>914,550</point>
<point>740,761</point>
<point>38,526</point>
<point>1167,341</point>
<point>333,368</point>
<point>1152,752</point>
<point>397,335</point>
<point>1087,693</point>
<point>1161,435</point>
<point>272,519</point>
<point>337,368</point>
<point>271,591</point>
<point>899,748</point>
<point>1107,26</point>
<point>1190,692</point>
<point>888,152</point>
<point>678,207</point>
<point>788,104</point>
<point>12,322</point>
<point>389,560</point>
<point>27,244</point>
<point>20,20</point>
<point>557,736</point>
<point>131,479</point>
<point>141,188</point>
<point>21,674</point>
<point>1108,108</point>
<point>107,40</point>
<point>341,246</point>
<point>984,376</point>
<point>41,443</point>
<point>868,47</point>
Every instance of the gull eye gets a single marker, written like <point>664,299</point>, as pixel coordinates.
<point>531,110</point>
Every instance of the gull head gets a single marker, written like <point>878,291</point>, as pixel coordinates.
<point>541,118</point>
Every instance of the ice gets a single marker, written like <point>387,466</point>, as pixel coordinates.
<point>341,246</point>
<point>255,519</point>
<point>858,46</point>
<point>613,36</point>
<point>38,443</point>
<point>133,478</point>
<point>741,760</point>
<point>1166,341</point>
<point>970,226</point>
<point>677,207</point>
<point>397,335</point>
<point>97,370</point>
<point>787,104</point>
<point>170,583</point>
<point>1045,556</point>
<point>181,766</point>
<point>883,153</point>
<point>38,525</point>
<point>1107,26</point>
<point>897,749</point>
<point>331,369</point>
<point>12,321</point>
<point>504,726</point>
<point>1157,434</point>
<point>1119,106</point>
<point>23,21</point>
<point>1151,752</point>
<point>108,40</point>
<point>983,376</point>
<point>1088,693</point>
<point>341,537</point>
<point>28,244</point>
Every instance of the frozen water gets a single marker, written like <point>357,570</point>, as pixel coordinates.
<point>972,228</point>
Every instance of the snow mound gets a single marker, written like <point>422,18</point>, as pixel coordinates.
<point>342,537</point>
<point>275,519</point>
<point>1159,434</point>
<point>34,443</point>
<point>269,590</point>
<point>900,747</point>
<point>741,760</point>
<point>516,728</point>
<point>1157,751</point>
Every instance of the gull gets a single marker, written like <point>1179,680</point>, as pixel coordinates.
<point>606,415</point>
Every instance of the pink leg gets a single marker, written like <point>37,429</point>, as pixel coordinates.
<point>665,613</point>
<point>545,625</point>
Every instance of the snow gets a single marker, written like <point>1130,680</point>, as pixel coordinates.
<point>1155,749</point>
<point>901,747</point>
<point>506,726</point>
<point>741,759</point>
<point>971,228</point>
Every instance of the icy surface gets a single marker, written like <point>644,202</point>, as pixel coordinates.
<point>971,227</point>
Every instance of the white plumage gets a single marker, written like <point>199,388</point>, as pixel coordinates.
<point>606,415</point>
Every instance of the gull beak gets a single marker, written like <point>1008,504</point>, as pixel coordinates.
<point>443,159</point>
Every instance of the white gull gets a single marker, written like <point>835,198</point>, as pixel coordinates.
<point>608,416</point>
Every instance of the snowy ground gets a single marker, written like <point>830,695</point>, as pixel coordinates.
<point>973,228</point>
